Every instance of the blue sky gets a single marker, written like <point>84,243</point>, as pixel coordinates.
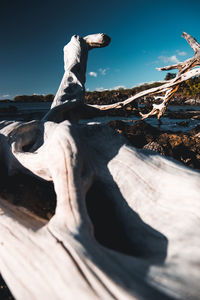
<point>145,35</point>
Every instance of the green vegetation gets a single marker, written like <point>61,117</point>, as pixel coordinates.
<point>191,88</point>
<point>187,89</point>
<point>170,76</point>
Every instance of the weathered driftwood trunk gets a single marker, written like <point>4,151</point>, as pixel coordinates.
<point>155,201</point>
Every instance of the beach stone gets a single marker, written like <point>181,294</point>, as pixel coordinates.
<point>183,123</point>
<point>154,146</point>
<point>184,147</point>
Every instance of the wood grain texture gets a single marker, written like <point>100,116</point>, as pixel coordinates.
<point>152,203</point>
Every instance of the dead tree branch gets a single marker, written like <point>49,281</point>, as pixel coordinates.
<point>169,88</point>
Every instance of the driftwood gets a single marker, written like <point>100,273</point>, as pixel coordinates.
<point>154,201</point>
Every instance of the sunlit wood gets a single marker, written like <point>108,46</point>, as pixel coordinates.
<point>155,200</point>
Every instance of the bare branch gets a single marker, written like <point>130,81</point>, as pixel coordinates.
<point>192,42</point>
<point>168,88</point>
<point>176,66</point>
<point>160,89</point>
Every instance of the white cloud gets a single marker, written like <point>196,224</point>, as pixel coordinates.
<point>5,96</point>
<point>39,94</point>
<point>100,89</point>
<point>181,53</point>
<point>142,83</point>
<point>103,71</point>
<point>93,74</point>
<point>169,59</point>
<point>147,83</point>
<point>119,87</point>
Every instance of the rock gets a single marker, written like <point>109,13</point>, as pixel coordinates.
<point>184,147</point>
<point>138,134</point>
<point>154,146</point>
<point>197,117</point>
<point>190,101</point>
<point>183,123</point>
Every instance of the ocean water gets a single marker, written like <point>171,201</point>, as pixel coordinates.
<point>167,123</point>
<point>28,107</point>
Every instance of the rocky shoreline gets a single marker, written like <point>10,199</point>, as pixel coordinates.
<point>184,147</point>
<point>13,113</point>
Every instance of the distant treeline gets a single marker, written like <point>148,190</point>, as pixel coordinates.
<point>34,98</point>
<point>189,88</point>
<point>112,96</point>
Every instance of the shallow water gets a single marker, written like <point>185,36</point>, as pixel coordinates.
<point>167,123</point>
<point>28,107</point>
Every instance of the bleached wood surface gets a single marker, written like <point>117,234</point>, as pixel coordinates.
<point>155,200</point>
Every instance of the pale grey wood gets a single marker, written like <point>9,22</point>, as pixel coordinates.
<point>156,200</point>
<point>71,91</point>
<point>165,195</point>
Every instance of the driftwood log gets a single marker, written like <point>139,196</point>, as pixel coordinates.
<point>126,221</point>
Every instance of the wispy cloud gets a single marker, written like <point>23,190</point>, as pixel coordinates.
<point>181,53</point>
<point>39,94</point>
<point>119,87</point>
<point>5,96</point>
<point>142,83</point>
<point>169,59</point>
<point>93,74</point>
<point>103,71</point>
<point>100,89</point>
<point>147,83</point>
